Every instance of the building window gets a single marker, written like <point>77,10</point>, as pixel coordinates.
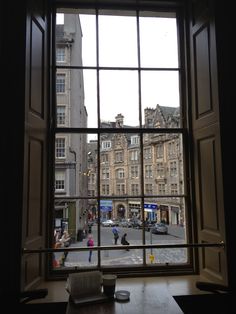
<point>105,158</point>
<point>105,189</point>
<point>60,83</point>
<point>134,189</point>
<point>161,188</point>
<point>160,170</point>
<point>61,115</point>
<point>60,55</point>
<point>148,189</point>
<point>148,171</point>
<point>119,156</point>
<point>60,147</point>
<point>59,181</point>
<point>106,145</point>
<point>173,168</point>
<point>159,150</point>
<point>134,140</point>
<point>120,173</point>
<point>105,173</point>
<point>134,172</point>
<point>134,155</point>
<point>120,189</point>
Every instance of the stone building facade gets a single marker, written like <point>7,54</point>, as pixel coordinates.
<point>136,172</point>
<point>70,148</point>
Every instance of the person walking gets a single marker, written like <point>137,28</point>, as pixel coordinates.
<point>124,240</point>
<point>65,242</point>
<point>90,243</point>
<point>115,232</point>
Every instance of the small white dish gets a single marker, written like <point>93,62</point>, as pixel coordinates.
<point>122,295</point>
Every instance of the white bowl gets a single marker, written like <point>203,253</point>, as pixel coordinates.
<point>122,295</point>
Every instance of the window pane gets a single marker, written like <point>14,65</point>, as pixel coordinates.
<point>158,42</point>
<point>119,95</point>
<point>160,99</point>
<point>79,97</point>
<point>118,47</point>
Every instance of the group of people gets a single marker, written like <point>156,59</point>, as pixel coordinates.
<point>65,241</point>
<point>123,240</point>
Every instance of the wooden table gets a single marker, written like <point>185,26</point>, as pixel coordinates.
<point>148,300</point>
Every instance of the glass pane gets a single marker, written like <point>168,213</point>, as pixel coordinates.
<point>75,165</point>
<point>119,96</point>
<point>76,39</point>
<point>163,164</point>
<point>160,99</point>
<point>158,42</point>
<point>117,41</point>
<point>76,98</point>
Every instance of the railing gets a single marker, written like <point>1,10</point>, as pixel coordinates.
<point>220,244</point>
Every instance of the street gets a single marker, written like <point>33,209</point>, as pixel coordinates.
<point>129,257</point>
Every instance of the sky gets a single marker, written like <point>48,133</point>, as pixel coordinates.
<point>119,92</point>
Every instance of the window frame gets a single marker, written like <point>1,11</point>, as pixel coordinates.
<point>184,130</point>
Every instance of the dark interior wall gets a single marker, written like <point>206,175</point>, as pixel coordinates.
<point>12,141</point>
<point>225,27</point>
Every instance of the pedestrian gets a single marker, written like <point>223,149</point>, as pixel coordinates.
<point>90,243</point>
<point>115,232</point>
<point>65,242</point>
<point>124,241</point>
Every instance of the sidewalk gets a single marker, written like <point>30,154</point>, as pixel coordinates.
<point>176,231</point>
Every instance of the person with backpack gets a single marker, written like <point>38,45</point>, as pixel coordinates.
<point>115,232</point>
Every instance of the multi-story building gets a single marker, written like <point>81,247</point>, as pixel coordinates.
<point>121,169</point>
<point>70,149</point>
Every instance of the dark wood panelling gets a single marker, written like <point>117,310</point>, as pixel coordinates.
<point>36,128</point>
<point>35,195</point>
<point>211,263</point>
<point>207,152</point>
<point>202,73</point>
<point>209,201</point>
<point>207,184</point>
<point>37,70</point>
<point>33,266</point>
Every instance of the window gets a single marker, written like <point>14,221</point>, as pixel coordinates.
<point>159,150</point>
<point>134,140</point>
<point>61,115</point>
<point>105,173</point>
<point>120,189</point>
<point>60,148</point>
<point>134,172</point>
<point>160,170</point>
<point>119,157</point>
<point>148,171</point>
<point>60,54</point>
<point>59,181</point>
<point>105,189</point>
<point>120,173</point>
<point>106,145</point>
<point>134,189</point>
<point>60,83</point>
<point>134,154</point>
<point>148,189</point>
<point>121,114</point>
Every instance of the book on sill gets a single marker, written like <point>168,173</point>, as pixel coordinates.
<point>85,287</point>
